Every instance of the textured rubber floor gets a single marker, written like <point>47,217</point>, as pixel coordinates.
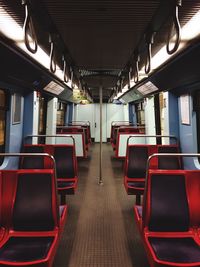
<point>100,229</point>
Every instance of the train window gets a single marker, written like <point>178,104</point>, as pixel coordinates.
<point>61,110</point>
<point>42,119</point>
<point>42,115</point>
<point>196,108</point>
<point>2,122</point>
<point>139,109</point>
<point>162,106</point>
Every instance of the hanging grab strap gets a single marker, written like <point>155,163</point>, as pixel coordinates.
<point>176,25</point>
<point>29,30</point>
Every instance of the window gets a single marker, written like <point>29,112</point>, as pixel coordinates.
<point>140,113</point>
<point>16,116</point>
<point>2,123</point>
<point>61,110</point>
<point>42,115</point>
<point>196,108</point>
<point>42,119</point>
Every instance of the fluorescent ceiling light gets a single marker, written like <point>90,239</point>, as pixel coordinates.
<point>192,28</point>
<point>125,89</point>
<point>9,27</point>
<point>147,88</point>
<point>12,30</point>
<point>54,88</point>
<point>188,32</point>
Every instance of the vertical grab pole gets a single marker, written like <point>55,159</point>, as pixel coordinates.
<point>100,154</point>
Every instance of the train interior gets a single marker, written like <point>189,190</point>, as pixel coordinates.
<point>100,133</point>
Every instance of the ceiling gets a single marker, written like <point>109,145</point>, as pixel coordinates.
<point>99,36</point>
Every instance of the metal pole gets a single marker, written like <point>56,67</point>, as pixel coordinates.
<point>100,152</point>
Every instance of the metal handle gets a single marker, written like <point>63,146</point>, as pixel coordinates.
<point>113,122</point>
<point>171,155</point>
<point>81,121</point>
<point>156,136</point>
<point>70,126</point>
<point>30,155</point>
<point>57,135</point>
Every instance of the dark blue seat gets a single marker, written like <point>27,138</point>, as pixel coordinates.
<point>135,170</point>
<point>179,250</point>
<point>25,249</point>
<point>32,162</point>
<point>169,163</point>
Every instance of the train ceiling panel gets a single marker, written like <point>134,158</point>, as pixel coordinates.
<point>99,36</point>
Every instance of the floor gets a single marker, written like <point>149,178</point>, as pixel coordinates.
<point>100,230</point>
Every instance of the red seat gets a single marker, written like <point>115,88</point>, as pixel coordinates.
<point>170,218</point>
<point>32,221</point>
<point>136,164</point>
<point>81,132</point>
<point>66,165</point>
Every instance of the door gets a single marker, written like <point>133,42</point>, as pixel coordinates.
<point>97,123</point>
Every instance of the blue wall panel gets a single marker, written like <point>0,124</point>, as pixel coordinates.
<point>188,138</point>
<point>28,114</point>
<point>173,115</point>
<point>14,133</point>
<point>70,112</point>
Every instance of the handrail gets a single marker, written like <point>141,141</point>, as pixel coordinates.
<point>137,60</point>
<point>52,52</point>
<point>65,77</point>
<point>147,67</point>
<point>130,127</point>
<point>80,122</point>
<point>72,78</point>
<point>44,135</point>
<point>175,21</point>
<point>120,121</point>
<point>149,42</point>
<point>30,155</point>
<point>156,136</point>
<point>169,155</point>
<point>35,155</point>
<point>165,155</point>
<point>28,26</point>
<point>129,77</point>
<point>68,126</point>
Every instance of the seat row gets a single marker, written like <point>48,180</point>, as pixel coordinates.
<point>136,165</point>
<point>119,131</point>
<point>81,134</point>
<point>169,218</point>
<point>31,221</point>
<point>66,164</point>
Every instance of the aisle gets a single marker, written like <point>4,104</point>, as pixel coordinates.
<point>100,229</point>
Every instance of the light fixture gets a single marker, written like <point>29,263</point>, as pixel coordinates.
<point>147,88</point>
<point>189,31</point>
<point>12,30</point>
<point>54,88</point>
